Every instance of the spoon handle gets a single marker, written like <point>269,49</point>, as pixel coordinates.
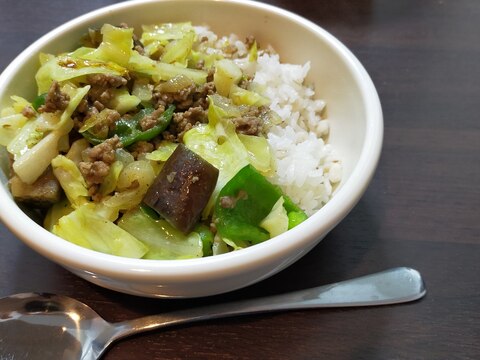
<point>392,286</point>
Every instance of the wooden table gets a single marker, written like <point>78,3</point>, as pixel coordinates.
<point>422,209</point>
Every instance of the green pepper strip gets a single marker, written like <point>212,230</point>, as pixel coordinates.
<point>129,130</point>
<point>206,236</point>
<point>253,196</point>
<point>39,101</point>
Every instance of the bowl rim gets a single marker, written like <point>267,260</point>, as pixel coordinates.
<point>71,255</point>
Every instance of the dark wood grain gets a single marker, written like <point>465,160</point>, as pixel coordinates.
<point>421,210</point>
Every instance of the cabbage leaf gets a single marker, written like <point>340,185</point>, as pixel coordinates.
<point>276,222</point>
<point>68,67</point>
<point>219,144</point>
<point>84,227</point>
<point>116,46</point>
<point>132,184</point>
<point>163,240</point>
<point>31,162</point>
<point>71,180</point>
<point>10,126</point>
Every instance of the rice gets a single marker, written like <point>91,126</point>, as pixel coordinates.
<point>307,168</point>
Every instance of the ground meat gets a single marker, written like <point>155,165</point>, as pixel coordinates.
<point>191,96</point>
<point>210,75</point>
<point>229,202</point>
<point>104,152</point>
<point>140,148</point>
<point>102,86</point>
<point>184,121</point>
<point>182,99</point>
<point>106,80</point>
<point>28,112</point>
<point>200,97</point>
<point>94,172</point>
<point>55,99</point>
<point>82,106</point>
<point>248,125</point>
<point>99,95</point>
<point>96,164</point>
<point>151,120</point>
<point>111,118</point>
<point>251,122</point>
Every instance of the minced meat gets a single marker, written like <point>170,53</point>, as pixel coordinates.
<point>96,164</point>
<point>248,125</point>
<point>182,99</point>
<point>151,120</point>
<point>140,148</point>
<point>251,122</point>
<point>55,100</point>
<point>29,112</point>
<point>191,96</point>
<point>94,172</point>
<point>102,86</point>
<point>104,151</point>
<point>184,121</point>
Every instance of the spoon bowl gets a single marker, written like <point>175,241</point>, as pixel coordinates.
<point>47,326</point>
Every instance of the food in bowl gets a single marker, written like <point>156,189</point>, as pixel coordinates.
<point>355,133</point>
<point>169,143</point>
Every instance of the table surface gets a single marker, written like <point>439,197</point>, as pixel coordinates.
<point>421,210</point>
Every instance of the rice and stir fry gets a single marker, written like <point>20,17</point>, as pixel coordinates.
<point>176,143</point>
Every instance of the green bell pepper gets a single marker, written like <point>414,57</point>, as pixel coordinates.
<point>245,201</point>
<point>129,130</point>
<point>39,101</point>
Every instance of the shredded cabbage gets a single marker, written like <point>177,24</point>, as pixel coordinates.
<point>164,33</point>
<point>123,101</point>
<point>164,241</point>
<point>68,67</point>
<point>84,227</point>
<point>71,180</point>
<point>132,184</point>
<point>31,162</point>
<point>219,144</point>
<point>175,57</point>
<point>116,46</point>
<point>10,126</point>
<point>276,222</point>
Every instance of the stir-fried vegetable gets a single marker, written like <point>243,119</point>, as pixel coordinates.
<point>85,227</point>
<point>149,146</point>
<point>248,210</point>
<point>182,189</point>
<point>129,130</point>
<point>163,240</point>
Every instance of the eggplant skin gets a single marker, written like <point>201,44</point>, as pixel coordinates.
<point>43,193</point>
<point>182,189</point>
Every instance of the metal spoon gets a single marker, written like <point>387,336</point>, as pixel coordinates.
<point>47,326</point>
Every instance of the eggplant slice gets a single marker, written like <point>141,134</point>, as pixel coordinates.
<point>182,189</point>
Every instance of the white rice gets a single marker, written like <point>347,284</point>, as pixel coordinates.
<point>306,166</point>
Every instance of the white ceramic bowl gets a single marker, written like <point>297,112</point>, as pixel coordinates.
<point>356,134</point>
